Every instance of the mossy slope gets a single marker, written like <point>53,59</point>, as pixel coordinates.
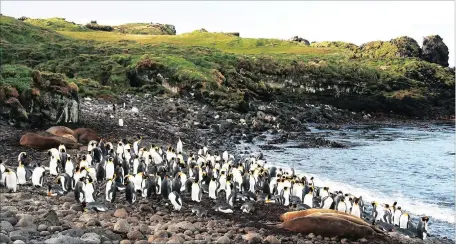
<point>229,71</point>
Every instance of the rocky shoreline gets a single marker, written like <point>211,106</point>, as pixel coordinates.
<point>25,216</point>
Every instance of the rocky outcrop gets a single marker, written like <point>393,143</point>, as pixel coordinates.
<point>300,40</point>
<point>49,100</point>
<point>406,47</point>
<point>435,50</point>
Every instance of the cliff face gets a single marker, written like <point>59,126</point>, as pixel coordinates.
<point>47,100</point>
<point>232,72</point>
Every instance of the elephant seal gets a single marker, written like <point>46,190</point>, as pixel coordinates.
<point>62,131</point>
<point>328,227</point>
<point>46,141</point>
<point>347,217</point>
<point>302,213</point>
<point>85,135</point>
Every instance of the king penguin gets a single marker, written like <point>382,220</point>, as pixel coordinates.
<point>166,187</point>
<point>196,191</point>
<point>54,166</point>
<point>89,191</point>
<point>21,174</point>
<point>342,206</point>
<point>422,228</point>
<point>175,200</point>
<point>79,190</point>
<point>356,209</point>
<point>38,176</point>
<point>286,196</point>
<point>308,198</point>
<point>10,180</point>
<point>404,221</point>
<point>130,194</point>
<point>109,168</point>
<point>111,190</point>
<point>397,216</point>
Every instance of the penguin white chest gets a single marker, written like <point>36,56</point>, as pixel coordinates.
<point>286,196</point>
<point>356,211</point>
<point>397,217</point>
<point>21,179</point>
<point>403,221</point>
<point>108,189</point>
<point>138,182</point>
<point>37,176</point>
<point>109,170</point>
<point>327,203</point>
<point>69,168</point>
<point>252,183</point>
<point>88,191</point>
<point>53,167</point>
<point>342,207</point>
<point>212,187</point>
<point>135,166</point>
<point>308,200</point>
<point>195,193</point>
<point>11,181</point>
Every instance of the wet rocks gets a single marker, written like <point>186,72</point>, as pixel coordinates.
<point>91,238</point>
<point>121,226</point>
<point>19,235</point>
<point>42,227</point>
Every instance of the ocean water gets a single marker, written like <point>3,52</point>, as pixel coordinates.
<point>412,165</point>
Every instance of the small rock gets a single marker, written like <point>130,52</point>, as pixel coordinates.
<point>211,223</point>
<point>121,213</point>
<point>161,234</point>
<point>76,207</point>
<point>55,229</point>
<point>121,226</point>
<point>18,242</point>
<point>125,242</point>
<point>271,239</point>
<point>6,226</point>
<point>188,233</point>
<point>344,240</point>
<point>145,208</point>
<point>19,235</point>
<point>25,221</point>
<point>142,242</point>
<point>311,236</point>
<point>42,227</point>
<point>93,222</point>
<point>156,218</point>
<point>252,237</point>
<point>326,238</point>
<point>176,239</point>
<point>45,233</point>
<point>223,240</point>
<point>63,239</point>
<point>4,238</point>
<point>362,240</point>
<point>76,232</point>
<point>333,238</point>
<point>91,238</point>
<point>135,235</point>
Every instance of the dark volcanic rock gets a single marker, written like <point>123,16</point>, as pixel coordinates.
<point>435,50</point>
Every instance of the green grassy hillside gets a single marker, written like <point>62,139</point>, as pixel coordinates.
<point>222,68</point>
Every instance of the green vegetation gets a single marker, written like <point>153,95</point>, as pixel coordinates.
<point>221,68</point>
<point>57,24</point>
<point>17,76</point>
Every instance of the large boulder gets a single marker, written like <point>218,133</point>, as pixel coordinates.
<point>435,50</point>
<point>406,47</point>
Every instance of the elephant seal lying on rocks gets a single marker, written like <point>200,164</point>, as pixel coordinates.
<point>328,226</point>
<point>85,135</point>
<point>327,222</point>
<point>62,131</point>
<point>46,141</point>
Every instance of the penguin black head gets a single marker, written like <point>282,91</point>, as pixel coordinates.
<point>399,207</point>
<point>394,204</point>
<point>326,188</point>
<point>84,157</point>
<point>356,200</point>
<point>387,205</point>
<point>136,156</point>
<point>425,219</point>
<point>62,150</point>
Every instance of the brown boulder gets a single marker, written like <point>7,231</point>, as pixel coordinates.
<point>85,135</point>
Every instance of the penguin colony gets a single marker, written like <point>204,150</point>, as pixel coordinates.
<point>138,172</point>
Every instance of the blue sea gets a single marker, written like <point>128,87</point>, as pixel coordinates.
<point>413,165</point>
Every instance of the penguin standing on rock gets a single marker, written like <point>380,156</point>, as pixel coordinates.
<point>38,176</point>
<point>10,180</point>
<point>166,187</point>
<point>175,200</point>
<point>196,191</point>
<point>111,190</point>
<point>130,193</point>
<point>79,193</point>
<point>422,228</point>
